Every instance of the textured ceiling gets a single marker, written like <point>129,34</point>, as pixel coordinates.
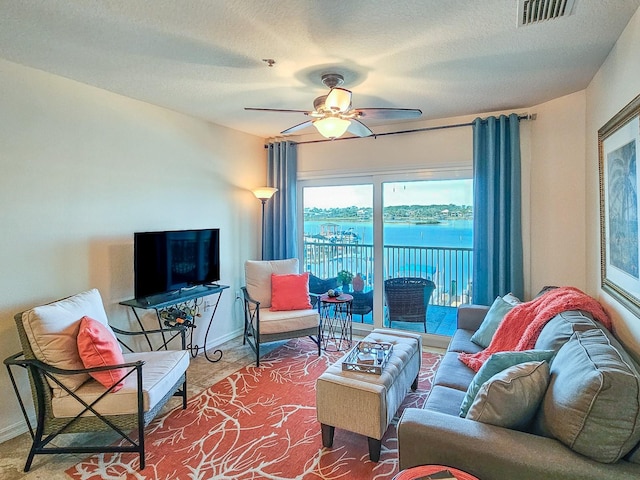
<point>204,58</point>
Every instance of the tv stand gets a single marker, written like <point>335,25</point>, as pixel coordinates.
<point>183,299</point>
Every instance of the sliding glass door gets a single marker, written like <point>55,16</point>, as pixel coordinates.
<point>428,240</point>
<point>402,248</point>
<point>338,243</point>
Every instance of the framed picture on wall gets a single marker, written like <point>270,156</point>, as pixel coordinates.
<point>618,147</point>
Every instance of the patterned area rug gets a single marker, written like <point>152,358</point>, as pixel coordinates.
<point>258,423</point>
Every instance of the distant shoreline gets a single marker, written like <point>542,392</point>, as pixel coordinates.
<point>338,221</point>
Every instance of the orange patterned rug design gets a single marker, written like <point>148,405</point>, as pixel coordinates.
<point>258,423</point>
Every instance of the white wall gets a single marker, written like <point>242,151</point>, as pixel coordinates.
<point>81,169</point>
<point>614,86</point>
<point>435,148</point>
<point>557,193</point>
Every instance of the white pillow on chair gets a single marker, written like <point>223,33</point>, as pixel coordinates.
<point>258,277</point>
<point>52,331</point>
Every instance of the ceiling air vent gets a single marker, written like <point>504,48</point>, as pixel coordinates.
<point>535,11</point>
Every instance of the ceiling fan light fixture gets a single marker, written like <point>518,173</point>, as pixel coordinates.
<point>333,115</point>
<point>332,127</point>
<point>338,99</point>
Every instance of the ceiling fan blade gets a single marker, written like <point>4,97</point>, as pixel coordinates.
<point>306,112</point>
<point>338,100</point>
<point>300,126</point>
<point>388,113</point>
<point>359,129</point>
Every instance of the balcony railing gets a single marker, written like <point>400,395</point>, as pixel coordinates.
<point>450,268</point>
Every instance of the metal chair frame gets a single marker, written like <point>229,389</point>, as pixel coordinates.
<point>49,427</point>
<point>254,337</point>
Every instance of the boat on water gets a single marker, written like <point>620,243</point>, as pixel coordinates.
<point>333,233</point>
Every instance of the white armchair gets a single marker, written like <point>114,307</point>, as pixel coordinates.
<point>58,340</point>
<point>263,325</point>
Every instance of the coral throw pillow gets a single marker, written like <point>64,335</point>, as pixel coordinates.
<point>98,348</point>
<point>290,292</point>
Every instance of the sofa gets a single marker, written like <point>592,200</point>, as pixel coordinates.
<point>589,367</point>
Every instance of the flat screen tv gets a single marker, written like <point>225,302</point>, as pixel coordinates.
<point>168,261</point>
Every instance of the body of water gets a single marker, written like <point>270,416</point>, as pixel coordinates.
<point>450,269</point>
<point>451,233</point>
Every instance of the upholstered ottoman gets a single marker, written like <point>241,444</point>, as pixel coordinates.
<point>365,403</point>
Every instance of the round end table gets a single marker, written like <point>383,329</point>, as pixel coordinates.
<point>423,471</point>
<point>336,329</point>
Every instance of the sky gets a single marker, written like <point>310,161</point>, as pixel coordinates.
<point>428,192</point>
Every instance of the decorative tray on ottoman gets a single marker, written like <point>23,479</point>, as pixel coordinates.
<point>368,357</point>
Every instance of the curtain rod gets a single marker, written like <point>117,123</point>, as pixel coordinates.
<point>415,130</point>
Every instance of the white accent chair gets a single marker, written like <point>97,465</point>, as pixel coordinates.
<point>262,325</point>
<point>68,400</point>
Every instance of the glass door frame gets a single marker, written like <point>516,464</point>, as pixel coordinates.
<point>376,180</point>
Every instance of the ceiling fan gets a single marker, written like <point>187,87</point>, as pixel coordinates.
<point>333,116</point>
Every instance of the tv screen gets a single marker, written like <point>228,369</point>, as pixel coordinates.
<point>168,261</point>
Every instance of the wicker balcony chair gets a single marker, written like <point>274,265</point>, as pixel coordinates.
<point>68,399</point>
<point>319,286</point>
<point>362,304</point>
<point>407,299</point>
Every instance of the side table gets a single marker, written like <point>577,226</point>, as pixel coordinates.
<point>161,302</point>
<point>432,472</point>
<point>336,330</point>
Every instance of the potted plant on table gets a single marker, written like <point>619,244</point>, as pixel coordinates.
<point>344,278</point>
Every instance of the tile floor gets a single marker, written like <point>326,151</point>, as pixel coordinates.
<point>201,375</point>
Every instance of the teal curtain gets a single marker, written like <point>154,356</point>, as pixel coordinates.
<point>497,226</point>
<point>280,233</point>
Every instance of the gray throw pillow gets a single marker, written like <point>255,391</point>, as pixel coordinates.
<point>491,322</point>
<point>497,363</point>
<point>511,299</point>
<point>511,397</point>
<point>592,404</point>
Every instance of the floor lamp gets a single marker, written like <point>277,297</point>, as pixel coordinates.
<point>263,194</point>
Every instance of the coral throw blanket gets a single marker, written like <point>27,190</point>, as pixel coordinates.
<point>521,327</point>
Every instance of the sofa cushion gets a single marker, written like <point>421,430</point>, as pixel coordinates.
<point>511,397</point>
<point>561,327</point>
<point>461,342</point>
<point>634,455</point>
<point>52,331</point>
<point>444,400</point>
<point>496,363</point>
<point>258,277</point>
<point>287,321</point>
<point>161,370</point>
<point>592,404</point>
<point>453,373</point>
<point>491,322</point>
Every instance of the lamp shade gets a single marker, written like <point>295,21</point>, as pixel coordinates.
<point>332,127</point>
<point>264,193</point>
